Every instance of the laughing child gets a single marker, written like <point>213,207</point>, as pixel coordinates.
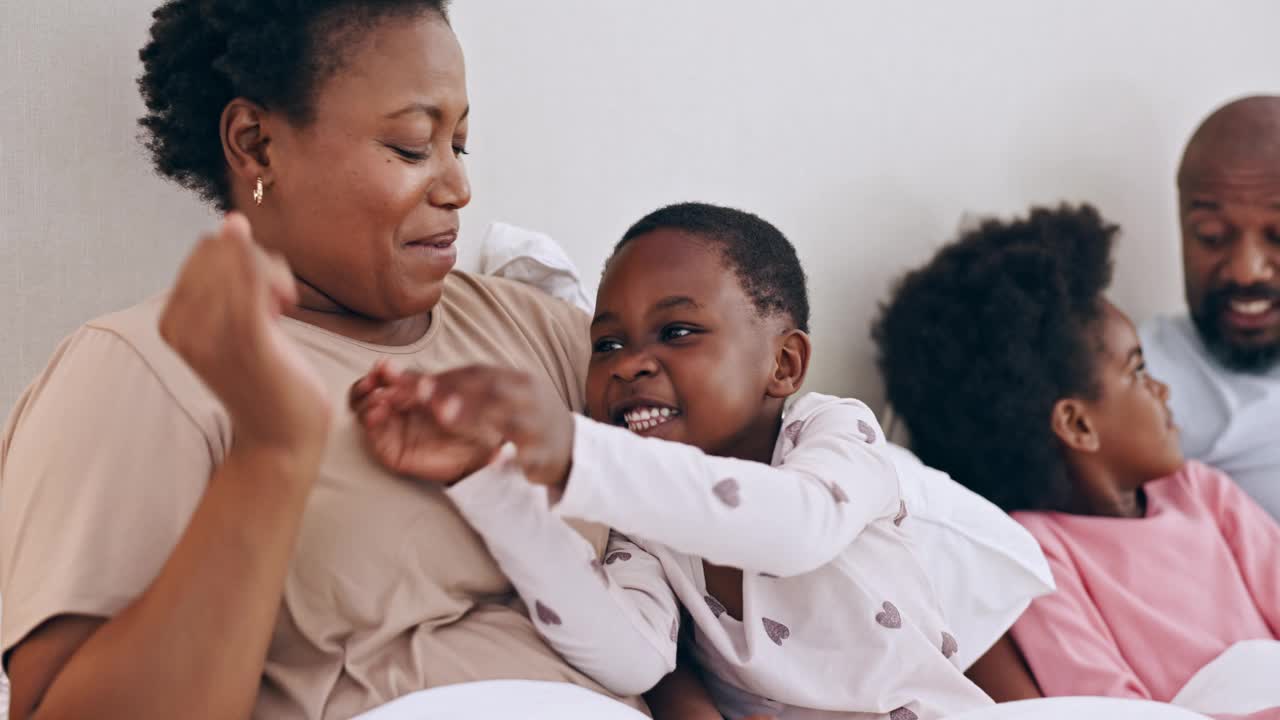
<point>781,536</point>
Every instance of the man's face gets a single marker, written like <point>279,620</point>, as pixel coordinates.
<point>1231,254</point>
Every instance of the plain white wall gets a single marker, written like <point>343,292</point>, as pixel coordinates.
<point>865,130</point>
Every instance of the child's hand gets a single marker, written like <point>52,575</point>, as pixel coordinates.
<point>484,403</point>
<point>477,407</point>
<point>401,431</point>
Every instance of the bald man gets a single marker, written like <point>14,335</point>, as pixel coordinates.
<point>1222,361</point>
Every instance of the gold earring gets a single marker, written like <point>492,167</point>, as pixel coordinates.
<point>257,192</point>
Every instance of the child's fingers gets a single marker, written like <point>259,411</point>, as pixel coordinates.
<point>360,389</point>
<point>388,371</point>
<point>474,400</point>
<point>374,409</point>
<point>383,373</point>
<point>413,390</point>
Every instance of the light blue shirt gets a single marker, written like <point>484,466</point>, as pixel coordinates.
<point>1228,419</point>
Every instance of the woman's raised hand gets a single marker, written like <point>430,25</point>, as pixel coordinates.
<point>223,319</point>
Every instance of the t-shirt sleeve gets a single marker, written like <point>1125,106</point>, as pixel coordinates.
<point>100,471</point>
<point>558,333</point>
<point>1252,535</point>
<point>572,350</point>
<point>1065,640</point>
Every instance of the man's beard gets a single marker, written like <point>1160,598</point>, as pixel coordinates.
<point>1254,359</point>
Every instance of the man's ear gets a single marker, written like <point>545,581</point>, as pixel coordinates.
<point>246,141</point>
<point>790,363</point>
<point>1074,426</point>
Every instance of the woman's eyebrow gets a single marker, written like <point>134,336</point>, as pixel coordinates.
<point>432,111</point>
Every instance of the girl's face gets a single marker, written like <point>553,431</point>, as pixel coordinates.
<point>1138,438</point>
<point>679,351</point>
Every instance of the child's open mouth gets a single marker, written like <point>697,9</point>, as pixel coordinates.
<point>643,419</point>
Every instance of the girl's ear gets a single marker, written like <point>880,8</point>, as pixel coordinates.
<point>1072,423</point>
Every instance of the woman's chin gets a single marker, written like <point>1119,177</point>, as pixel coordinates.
<point>418,298</point>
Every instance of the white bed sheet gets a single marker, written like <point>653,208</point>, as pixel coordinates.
<point>1080,708</point>
<point>505,700</point>
<point>1244,679</point>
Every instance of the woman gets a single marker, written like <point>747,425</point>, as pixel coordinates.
<point>190,526</point>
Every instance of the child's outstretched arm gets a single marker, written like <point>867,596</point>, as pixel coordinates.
<point>784,520</point>
<point>615,619</point>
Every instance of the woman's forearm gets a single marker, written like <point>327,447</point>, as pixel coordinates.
<point>193,645</point>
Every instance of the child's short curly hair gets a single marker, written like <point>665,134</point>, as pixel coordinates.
<point>978,345</point>
<point>761,257</point>
<point>204,53</point>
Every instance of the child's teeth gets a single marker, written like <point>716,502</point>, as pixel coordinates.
<point>640,419</point>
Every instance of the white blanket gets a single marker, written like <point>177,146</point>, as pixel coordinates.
<point>504,700</point>
<point>1080,708</point>
<point>1244,679</point>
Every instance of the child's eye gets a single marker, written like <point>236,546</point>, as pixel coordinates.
<point>675,333</point>
<point>459,151</point>
<point>605,345</point>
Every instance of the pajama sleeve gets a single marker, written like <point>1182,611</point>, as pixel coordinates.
<point>1066,642</point>
<point>1252,535</point>
<point>784,521</point>
<point>614,619</point>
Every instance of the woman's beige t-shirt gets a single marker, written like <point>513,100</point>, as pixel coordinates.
<point>390,591</point>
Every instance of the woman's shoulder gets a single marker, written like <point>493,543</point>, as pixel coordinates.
<point>498,307</point>
<point>468,290</point>
<point>120,360</point>
<point>533,328</point>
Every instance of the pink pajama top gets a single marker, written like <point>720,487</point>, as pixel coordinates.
<point>1143,603</point>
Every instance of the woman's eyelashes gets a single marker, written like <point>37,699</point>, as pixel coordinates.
<point>419,156</point>
<point>413,156</point>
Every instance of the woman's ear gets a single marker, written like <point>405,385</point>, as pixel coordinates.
<point>1074,426</point>
<point>245,143</point>
<point>791,364</point>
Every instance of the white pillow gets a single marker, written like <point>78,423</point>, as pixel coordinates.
<point>533,258</point>
<point>985,566</point>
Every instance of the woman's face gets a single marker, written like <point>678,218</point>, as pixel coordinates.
<point>363,200</point>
